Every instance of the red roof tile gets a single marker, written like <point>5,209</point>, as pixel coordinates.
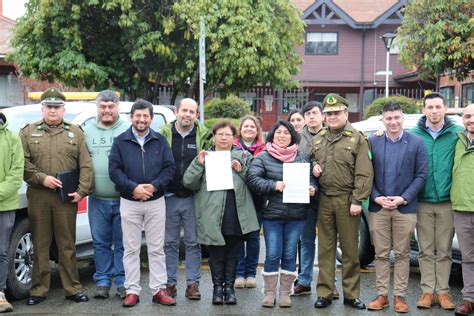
<point>365,11</point>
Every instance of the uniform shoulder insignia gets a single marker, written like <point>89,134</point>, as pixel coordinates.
<point>25,126</point>
<point>363,135</point>
<point>348,133</point>
<point>323,132</point>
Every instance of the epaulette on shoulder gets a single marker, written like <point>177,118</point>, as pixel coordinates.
<point>25,126</point>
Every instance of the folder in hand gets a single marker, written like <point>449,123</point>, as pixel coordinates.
<point>70,181</point>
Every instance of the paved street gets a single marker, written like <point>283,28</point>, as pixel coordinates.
<point>248,299</point>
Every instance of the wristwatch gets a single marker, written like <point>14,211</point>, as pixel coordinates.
<point>405,202</point>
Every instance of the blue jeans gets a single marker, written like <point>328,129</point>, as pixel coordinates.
<point>248,259</point>
<point>180,211</point>
<point>7,220</point>
<point>106,229</point>
<point>281,241</point>
<point>308,237</point>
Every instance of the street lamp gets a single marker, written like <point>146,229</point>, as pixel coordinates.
<point>388,41</point>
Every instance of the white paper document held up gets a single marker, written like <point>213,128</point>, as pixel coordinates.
<point>218,171</point>
<point>296,179</point>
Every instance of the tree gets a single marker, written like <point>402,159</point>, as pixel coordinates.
<point>134,46</point>
<point>436,36</point>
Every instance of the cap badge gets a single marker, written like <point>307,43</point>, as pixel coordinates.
<point>331,100</point>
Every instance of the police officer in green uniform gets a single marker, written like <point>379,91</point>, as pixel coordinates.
<point>52,145</point>
<point>341,162</point>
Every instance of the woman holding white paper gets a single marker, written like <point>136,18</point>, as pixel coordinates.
<point>223,216</point>
<point>282,222</point>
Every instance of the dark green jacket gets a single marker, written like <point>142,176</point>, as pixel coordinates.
<point>210,204</point>
<point>203,135</point>
<point>463,180</point>
<point>440,153</point>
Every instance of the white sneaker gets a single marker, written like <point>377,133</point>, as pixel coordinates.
<point>4,305</point>
<point>239,283</point>
<point>250,282</point>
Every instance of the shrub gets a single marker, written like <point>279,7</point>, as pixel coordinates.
<point>409,106</point>
<point>232,107</point>
<point>211,121</point>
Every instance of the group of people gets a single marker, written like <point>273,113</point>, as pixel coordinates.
<point>138,179</point>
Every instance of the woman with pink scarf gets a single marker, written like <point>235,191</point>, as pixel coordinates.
<point>282,222</point>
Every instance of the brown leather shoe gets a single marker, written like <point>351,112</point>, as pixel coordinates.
<point>171,289</point>
<point>445,301</point>
<point>400,305</point>
<point>465,309</point>
<point>426,300</point>
<point>378,303</point>
<point>301,290</point>
<point>163,298</point>
<point>192,292</point>
<point>130,300</point>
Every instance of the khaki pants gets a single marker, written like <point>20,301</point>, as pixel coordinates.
<point>387,228</point>
<point>135,216</point>
<point>464,223</point>
<point>48,215</point>
<point>333,220</point>
<point>435,231</point>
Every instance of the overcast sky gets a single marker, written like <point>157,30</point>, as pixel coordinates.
<point>14,8</point>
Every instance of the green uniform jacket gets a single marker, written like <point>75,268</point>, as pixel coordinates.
<point>345,163</point>
<point>203,135</point>
<point>210,204</point>
<point>49,150</point>
<point>440,153</point>
<point>463,180</point>
<point>11,169</point>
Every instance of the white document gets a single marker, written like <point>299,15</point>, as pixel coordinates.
<point>218,171</point>
<point>296,179</point>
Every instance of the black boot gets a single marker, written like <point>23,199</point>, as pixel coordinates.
<point>217,273</point>
<point>229,292</point>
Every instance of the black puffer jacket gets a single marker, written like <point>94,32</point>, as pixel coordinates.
<point>263,174</point>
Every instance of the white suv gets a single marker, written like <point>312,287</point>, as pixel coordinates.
<point>21,244</point>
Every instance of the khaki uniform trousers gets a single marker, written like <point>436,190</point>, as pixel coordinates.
<point>435,232</point>
<point>48,215</point>
<point>391,229</point>
<point>333,220</point>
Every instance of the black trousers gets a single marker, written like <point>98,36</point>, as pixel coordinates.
<point>223,260</point>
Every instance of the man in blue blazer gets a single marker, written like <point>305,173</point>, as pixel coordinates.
<point>400,170</point>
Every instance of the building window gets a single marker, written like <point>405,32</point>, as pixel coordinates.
<point>321,43</point>
<point>448,94</point>
<point>467,94</point>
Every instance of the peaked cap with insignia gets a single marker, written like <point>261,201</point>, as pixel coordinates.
<point>334,102</point>
<point>53,96</point>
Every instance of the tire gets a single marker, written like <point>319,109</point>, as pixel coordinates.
<point>20,253</point>
<point>366,249</point>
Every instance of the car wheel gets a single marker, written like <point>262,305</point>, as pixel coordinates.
<point>20,268</point>
<point>366,249</point>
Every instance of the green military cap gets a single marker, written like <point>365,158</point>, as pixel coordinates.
<point>334,102</point>
<point>53,96</point>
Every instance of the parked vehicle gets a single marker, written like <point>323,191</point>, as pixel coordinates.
<point>366,248</point>
<point>21,244</point>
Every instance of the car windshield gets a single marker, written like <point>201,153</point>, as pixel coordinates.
<point>17,119</point>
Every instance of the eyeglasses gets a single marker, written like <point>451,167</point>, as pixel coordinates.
<point>222,135</point>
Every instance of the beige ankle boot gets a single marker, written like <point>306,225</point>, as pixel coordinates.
<point>286,282</point>
<point>270,280</point>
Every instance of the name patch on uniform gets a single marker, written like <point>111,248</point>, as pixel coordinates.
<point>353,139</point>
<point>70,135</point>
<point>192,146</point>
<point>36,135</point>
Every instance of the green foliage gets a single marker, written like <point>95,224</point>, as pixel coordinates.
<point>437,36</point>
<point>209,123</point>
<point>232,107</point>
<point>409,106</point>
<point>134,45</point>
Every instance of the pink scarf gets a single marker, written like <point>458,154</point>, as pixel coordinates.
<point>287,154</point>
